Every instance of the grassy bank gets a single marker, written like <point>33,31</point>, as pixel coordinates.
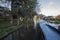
<point>26,31</point>
<point>4,30</point>
<point>57,21</point>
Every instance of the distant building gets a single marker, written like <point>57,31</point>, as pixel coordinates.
<point>49,17</point>
<point>1,11</point>
<point>4,12</point>
<point>58,16</point>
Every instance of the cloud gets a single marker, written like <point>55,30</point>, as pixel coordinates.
<point>50,3</point>
<point>50,9</point>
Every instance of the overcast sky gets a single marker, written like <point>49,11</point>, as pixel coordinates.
<point>49,7</point>
<point>7,4</point>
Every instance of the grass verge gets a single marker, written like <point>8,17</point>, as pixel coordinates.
<point>6,29</point>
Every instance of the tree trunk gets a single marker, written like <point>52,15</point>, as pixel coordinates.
<point>17,20</point>
<point>11,21</point>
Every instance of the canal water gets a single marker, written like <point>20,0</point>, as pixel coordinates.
<point>49,33</point>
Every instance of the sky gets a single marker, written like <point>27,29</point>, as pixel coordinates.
<point>7,4</point>
<point>48,7</point>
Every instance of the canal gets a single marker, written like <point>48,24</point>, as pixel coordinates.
<point>49,33</point>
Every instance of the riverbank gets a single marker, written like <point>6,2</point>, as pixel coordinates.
<point>24,31</point>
